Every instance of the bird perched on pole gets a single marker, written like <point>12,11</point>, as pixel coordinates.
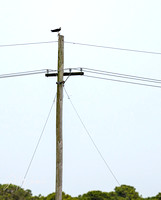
<point>56,30</point>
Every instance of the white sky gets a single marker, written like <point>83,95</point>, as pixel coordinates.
<point>123,119</point>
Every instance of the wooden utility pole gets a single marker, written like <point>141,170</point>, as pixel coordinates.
<point>59,112</point>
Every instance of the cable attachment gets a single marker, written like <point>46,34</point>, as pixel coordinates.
<point>59,83</point>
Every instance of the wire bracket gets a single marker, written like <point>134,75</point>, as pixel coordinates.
<point>59,83</point>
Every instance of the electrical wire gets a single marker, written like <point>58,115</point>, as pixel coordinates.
<point>83,44</point>
<point>28,43</point>
<point>75,68</point>
<point>122,76</point>
<point>94,71</point>
<point>11,75</point>
<point>100,72</point>
<point>121,81</point>
<point>32,158</point>
<point>115,48</point>
<point>33,72</point>
<point>89,135</point>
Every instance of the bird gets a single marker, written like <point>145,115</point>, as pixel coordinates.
<point>56,30</point>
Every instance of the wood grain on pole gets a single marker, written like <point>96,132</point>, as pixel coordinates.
<point>59,112</point>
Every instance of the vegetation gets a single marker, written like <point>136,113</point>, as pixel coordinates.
<point>123,192</point>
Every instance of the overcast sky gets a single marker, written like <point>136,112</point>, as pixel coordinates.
<point>122,119</point>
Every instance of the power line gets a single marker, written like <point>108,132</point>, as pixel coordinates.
<point>28,43</point>
<point>121,81</point>
<point>84,44</point>
<point>88,70</point>
<point>33,72</point>
<point>11,75</point>
<point>92,139</point>
<point>122,76</point>
<point>32,158</point>
<point>118,75</point>
<point>115,48</point>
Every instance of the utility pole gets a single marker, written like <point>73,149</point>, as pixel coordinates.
<point>59,113</point>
